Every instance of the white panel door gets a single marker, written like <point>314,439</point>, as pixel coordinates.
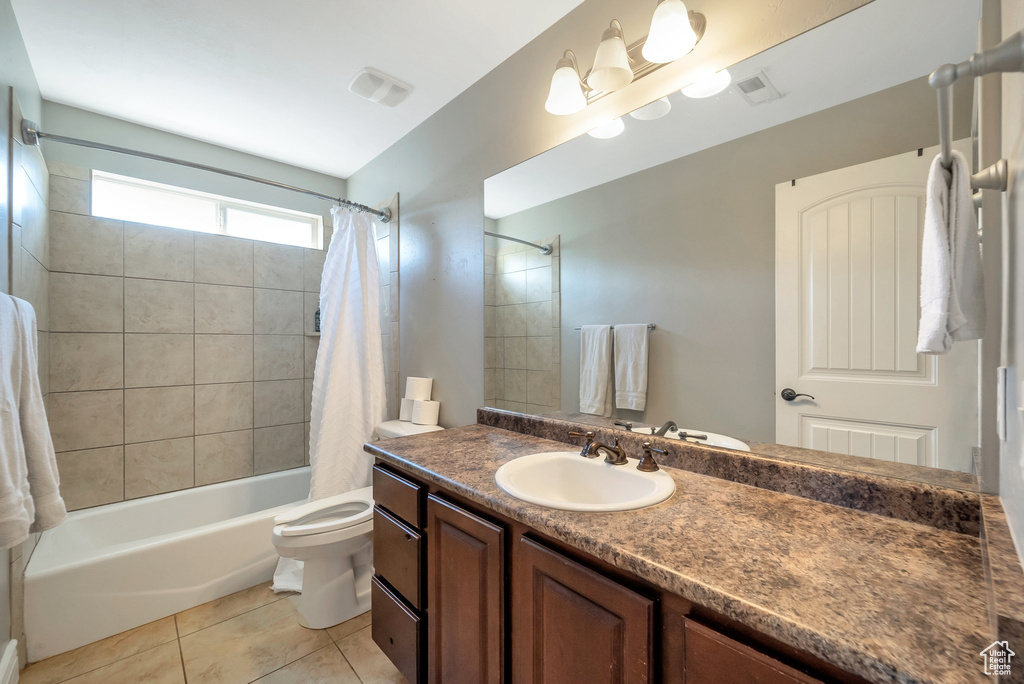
<point>847,276</point>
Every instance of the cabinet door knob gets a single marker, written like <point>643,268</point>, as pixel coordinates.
<point>790,394</point>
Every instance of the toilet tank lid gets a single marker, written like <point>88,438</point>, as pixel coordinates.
<point>403,428</point>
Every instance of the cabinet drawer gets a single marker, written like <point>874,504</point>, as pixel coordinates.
<point>397,494</point>
<point>397,557</point>
<point>396,629</point>
<point>713,658</point>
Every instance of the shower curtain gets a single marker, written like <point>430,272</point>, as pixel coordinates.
<point>349,399</point>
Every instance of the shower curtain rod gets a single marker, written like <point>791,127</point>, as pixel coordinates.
<point>31,135</point>
<point>544,249</point>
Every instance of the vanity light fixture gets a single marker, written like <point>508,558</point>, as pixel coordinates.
<point>671,35</point>
<point>709,85</point>
<point>566,95</point>
<point>612,69</point>
<point>652,111</point>
<point>608,130</point>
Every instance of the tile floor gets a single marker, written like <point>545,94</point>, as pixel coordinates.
<point>251,636</point>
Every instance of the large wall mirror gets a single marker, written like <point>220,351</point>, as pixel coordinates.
<point>770,234</point>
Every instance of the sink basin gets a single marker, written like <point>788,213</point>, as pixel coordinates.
<point>570,482</point>
<point>713,438</point>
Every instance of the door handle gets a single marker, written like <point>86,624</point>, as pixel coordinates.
<point>790,394</point>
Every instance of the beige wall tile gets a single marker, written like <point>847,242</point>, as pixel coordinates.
<point>158,413</point>
<point>224,456</point>
<point>278,448</point>
<point>156,467</point>
<point>538,284</point>
<point>68,170</point>
<point>43,362</point>
<point>278,357</point>
<point>86,303</point>
<point>307,399</point>
<point>157,253</point>
<point>223,408</point>
<point>538,353</point>
<point>307,427</point>
<point>70,195</point>
<point>538,319</point>
<point>515,354</point>
<point>223,260</point>
<point>223,358</point>
<point>538,387</point>
<point>277,402</point>
<point>514,323</point>
<point>157,360</point>
<point>312,269</point>
<point>86,361</point>
<point>84,244</point>
<point>83,420</point>
<point>312,346</point>
<point>277,312</point>
<point>157,306</point>
<point>32,283</point>
<point>310,304</point>
<point>91,477</point>
<point>277,266</point>
<point>224,310</point>
<point>31,214</point>
<point>515,385</point>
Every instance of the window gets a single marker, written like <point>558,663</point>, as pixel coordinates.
<point>140,201</point>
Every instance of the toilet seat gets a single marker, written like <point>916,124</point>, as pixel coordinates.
<point>332,514</point>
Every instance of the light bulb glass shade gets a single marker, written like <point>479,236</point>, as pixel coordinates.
<point>608,130</point>
<point>611,63</point>
<point>671,35</point>
<point>708,85</point>
<point>652,111</point>
<point>566,94</point>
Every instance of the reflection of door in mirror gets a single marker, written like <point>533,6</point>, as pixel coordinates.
<point>847,309</point>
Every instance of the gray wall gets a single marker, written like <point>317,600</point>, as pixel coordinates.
<point>498,122</point>
<point>690,245</point>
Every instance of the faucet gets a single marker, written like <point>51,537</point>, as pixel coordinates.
<point>613,454</point>
<point>625,424</point>
<point>663,430</point>
<point>588,449</point>
<point>647,463</point>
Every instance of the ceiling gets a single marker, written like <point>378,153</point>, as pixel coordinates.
<point>268,77</point>
<point>880,45</point>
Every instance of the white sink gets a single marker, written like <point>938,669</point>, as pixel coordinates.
<point>713,438</point>
<point>568,481</point>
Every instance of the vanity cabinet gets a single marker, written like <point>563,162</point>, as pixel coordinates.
<point>464,595</point>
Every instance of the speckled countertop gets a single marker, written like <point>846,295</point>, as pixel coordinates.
<point>885,599</point>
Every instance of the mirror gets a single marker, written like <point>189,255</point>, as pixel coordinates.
<point>771,235</point>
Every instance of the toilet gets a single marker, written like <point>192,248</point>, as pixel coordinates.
<point>333,537</point>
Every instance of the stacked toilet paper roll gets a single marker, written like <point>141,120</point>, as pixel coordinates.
<point>416,405</point>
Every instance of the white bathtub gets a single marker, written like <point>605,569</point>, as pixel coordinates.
<point>115,567</point>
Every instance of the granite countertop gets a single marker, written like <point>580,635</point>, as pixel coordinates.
<point>885,599</point>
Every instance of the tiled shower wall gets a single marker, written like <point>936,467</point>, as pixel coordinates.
<point>178,359</point>
<point>522,329</point>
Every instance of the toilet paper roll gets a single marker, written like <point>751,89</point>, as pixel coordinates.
<point>425,412</point>
<point>405,413</point>
<point>418,388</point>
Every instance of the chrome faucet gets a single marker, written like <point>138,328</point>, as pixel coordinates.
<point>664,429</point>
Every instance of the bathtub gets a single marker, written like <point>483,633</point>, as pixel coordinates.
<point>111,568</point>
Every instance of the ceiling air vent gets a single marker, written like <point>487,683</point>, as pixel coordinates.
<point>378,87</point>
<point>757,89</point>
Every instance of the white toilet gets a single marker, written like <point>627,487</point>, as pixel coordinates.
<point>333,538</point>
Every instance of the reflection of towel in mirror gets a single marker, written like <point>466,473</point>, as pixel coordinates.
<point>596,370</point>
<point>952,289</point>
<point>631,366</point>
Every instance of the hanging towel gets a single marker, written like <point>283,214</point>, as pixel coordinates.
<point>30,498</point>
<point>349,400</point>
<point>631,342</point>
<point>596,370</point>
<point>952,289</point>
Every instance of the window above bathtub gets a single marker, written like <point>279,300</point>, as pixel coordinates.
<point>140,201</point>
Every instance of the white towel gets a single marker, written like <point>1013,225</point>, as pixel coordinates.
<point>631,342</point>
<point>952,288</point>
<point>596,370</point>
<point>30,498</point>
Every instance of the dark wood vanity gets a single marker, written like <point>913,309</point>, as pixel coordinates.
<point>463,594</point>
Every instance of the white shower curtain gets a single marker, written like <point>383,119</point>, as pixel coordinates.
<point>349,400</point>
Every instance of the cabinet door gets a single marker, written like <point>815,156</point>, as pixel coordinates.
<point>465,596</point>
<point>570,624</point>
<point>713,658</point>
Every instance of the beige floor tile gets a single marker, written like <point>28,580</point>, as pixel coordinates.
<point>339,632</point>
<point>92,656</point>
<point>249,646</point>
<point>219,610</point>
<point>160,665</point>
<point>326,666</point>
<point>369,662</point>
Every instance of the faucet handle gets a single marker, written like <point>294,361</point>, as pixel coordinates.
<point>647,463</point>
<point>625,424</point>
<point>590,440</point>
